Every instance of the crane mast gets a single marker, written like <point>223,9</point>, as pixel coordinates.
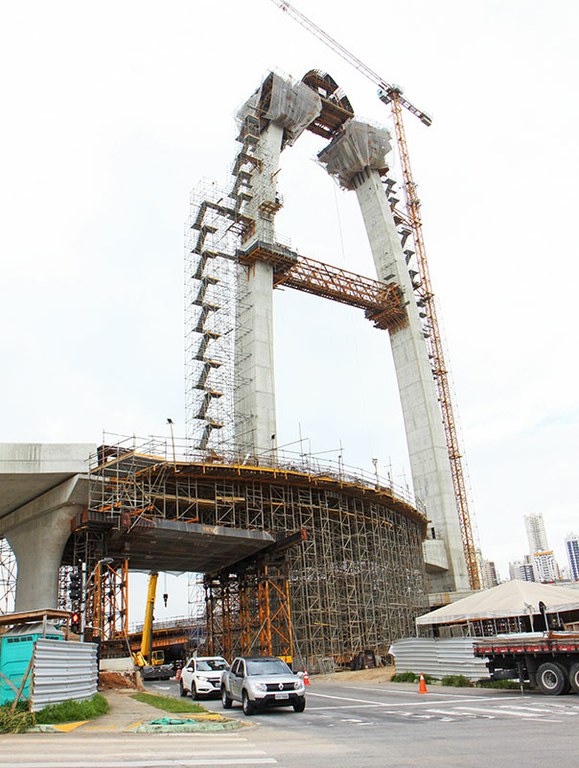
<point>392,95</point>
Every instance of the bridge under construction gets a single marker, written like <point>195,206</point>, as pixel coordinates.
<point>297,561</point>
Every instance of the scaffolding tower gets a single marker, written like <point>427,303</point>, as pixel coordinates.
<point>353,581</point>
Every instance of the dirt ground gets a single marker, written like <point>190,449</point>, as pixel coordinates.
<point>109,681</point>
<point>377,675</point>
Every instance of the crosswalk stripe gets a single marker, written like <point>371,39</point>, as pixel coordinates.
<point>169,761</point>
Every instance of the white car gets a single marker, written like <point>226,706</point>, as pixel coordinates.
<point>201,676</point>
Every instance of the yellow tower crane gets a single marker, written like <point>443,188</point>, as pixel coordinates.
<point>392,95</point>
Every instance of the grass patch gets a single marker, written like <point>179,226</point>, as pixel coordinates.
<point>412,677</point>
<point>457,681</point>
<point>404,677</point>
<point>71,711</point>
<point>18,721</point>
<point>168,703</point>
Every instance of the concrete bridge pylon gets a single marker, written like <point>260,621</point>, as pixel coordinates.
<point>43,487</point>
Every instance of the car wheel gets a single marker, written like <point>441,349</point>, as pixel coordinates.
<point>248,706</point>
<point>225,700</point>
<point>194,694</point>
<point>300,705</point>
<point>182,689</point>
<point>552,679</point>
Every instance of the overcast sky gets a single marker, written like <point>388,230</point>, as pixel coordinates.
<point>113,112</point>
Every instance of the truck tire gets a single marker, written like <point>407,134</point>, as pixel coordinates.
<point>225,700</point>
<point>552,679</point>
<point>247,705</point>
<point>574,677</point>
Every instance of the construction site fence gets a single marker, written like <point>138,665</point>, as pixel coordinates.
<point>438,657</point>
<point>182,450</point>
<point>63,670</point>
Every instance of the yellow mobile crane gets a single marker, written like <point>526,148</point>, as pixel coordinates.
<point>392,95</point>
<point>150,662</point>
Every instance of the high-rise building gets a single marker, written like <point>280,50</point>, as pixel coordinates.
<point>523,571</point>
<point>489,576</point>
<point>536,533</point>
<point>546,569</point>
<point>572,547</point>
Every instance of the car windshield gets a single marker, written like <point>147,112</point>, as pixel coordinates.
<point>211,665</point>
<point>267,667</point>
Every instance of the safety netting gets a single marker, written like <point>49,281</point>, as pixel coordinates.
<point>360,146</point>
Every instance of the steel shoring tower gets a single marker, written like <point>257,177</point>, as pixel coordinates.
<point>355,582</point>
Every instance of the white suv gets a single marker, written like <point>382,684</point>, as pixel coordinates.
<point>201,676</point>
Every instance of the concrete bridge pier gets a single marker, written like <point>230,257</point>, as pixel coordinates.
<point>37,533</point>
<point>42,488</point>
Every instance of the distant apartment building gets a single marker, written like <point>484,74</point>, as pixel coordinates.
<point>523,571</point>
<point>572,547</point>
<point>488,573</point>
<point>546,569</point>
<point>536,533</point>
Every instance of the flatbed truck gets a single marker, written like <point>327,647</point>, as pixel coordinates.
<point>548,661</point>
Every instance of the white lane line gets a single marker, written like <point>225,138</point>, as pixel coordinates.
<point>121,741</point>
<point>382,689</point>
<point>536,710</point>
<point>423,702</point>
<point>462,696</point>
<point>344,706</point>
<point>501,711</point>
<point>145,763</point>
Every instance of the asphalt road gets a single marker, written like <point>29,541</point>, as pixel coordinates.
<point>345,725</point>
<point>349,725</point>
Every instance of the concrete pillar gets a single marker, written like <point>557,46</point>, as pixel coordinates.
<point>427,448</point>
<point>255,422</point>
<point>37,533</point>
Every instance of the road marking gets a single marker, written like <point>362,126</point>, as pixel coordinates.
<point>501,711</point>
<point>423,702</point>
<point>169,761</point>
<point>451,713</point>
<point>546,711</point>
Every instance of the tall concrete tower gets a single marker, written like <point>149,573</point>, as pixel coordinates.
<point>357,159</point>
<point>274,117</point>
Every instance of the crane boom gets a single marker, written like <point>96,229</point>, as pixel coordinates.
<point>349,57</point>
<point>392,95</point>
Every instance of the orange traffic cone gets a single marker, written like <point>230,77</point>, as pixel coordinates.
<point>306,677</point>
<point>422,686</point>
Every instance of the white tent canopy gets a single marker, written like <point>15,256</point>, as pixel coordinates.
<point>513,598</point>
